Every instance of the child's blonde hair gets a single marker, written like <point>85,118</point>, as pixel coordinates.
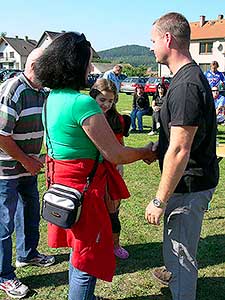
<point>101,85</point>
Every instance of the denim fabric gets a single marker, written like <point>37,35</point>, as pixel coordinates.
<point>81,284</point>
<point>182,227</point>
<point>25,216</point>
<point>136,113</point>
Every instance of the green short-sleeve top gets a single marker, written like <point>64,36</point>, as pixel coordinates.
<point>66,111</point>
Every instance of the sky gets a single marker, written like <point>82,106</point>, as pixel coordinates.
<point>106,24</point>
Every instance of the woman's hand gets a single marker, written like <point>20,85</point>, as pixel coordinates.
<point>156,108</point>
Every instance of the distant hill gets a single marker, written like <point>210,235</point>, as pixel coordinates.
<point>133,54</point>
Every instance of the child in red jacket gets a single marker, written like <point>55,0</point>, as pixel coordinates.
<point>105,93</point>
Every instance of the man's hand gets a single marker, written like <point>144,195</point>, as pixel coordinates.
<point>154,151</point>
<point>152,154</point>
<point>153,214</point>
<point>32,164</point>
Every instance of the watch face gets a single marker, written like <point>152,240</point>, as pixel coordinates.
<point>156,202</point>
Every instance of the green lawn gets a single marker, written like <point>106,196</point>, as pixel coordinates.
<point>133,280</point>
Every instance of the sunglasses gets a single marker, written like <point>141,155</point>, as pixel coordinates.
<point>215,91</point>
<point>80,37</point>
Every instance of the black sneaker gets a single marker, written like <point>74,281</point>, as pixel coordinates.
<point>41,260</point>
<point>162,275</point>
<point>133,130</point>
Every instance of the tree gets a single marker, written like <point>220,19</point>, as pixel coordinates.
<point>134,71</point>
<point>3,34</point>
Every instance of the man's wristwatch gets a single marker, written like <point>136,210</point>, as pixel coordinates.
<point>158,203</point>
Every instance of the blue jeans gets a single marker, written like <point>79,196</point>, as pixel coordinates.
<point>20,208</point>
<point>136,113</point>
<point>81,284</point>
<point>182,227</point>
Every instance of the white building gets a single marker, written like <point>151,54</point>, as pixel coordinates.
<point>14,52</point>
<point>48,36</point>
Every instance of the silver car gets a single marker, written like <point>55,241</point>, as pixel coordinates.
<point>130,83</point>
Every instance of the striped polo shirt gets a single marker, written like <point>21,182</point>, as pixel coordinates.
<point>20,117</point>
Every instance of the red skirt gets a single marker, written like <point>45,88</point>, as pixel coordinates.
<point>90,238</point>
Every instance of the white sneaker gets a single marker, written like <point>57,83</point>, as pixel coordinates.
<point>14,288</point>
<point>41,260</point>
<point>151,133</point>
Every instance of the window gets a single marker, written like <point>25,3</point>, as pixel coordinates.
<point>204,67</point>
<point>11,54</point>
<point>206,47</point>
<point>1,54</point>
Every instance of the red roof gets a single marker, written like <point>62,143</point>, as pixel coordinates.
<point>212,29</point>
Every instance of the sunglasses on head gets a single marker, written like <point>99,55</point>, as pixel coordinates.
<point>80,37</point>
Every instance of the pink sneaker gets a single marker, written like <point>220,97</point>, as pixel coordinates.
<point>121,252</point>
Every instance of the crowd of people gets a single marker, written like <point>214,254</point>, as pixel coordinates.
<point>83,128</point>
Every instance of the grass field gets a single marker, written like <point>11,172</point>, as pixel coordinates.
<point>133,280</point>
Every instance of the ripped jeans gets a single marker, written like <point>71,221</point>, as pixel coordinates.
<point>182,227</point>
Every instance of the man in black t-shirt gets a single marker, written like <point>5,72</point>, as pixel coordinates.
<point>187,157</point>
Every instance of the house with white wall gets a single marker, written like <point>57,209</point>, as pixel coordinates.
<point>207,44</point>
<point>100,68</point>
<point>48,36</point>
<point>14,52</point>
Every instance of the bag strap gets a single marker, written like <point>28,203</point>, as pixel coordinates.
<point>94,169</point>
<point>92,173</point>
<point>46,128</point>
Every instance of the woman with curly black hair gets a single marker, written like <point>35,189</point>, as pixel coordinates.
<point>76,131</point>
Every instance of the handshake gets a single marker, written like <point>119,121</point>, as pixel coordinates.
<point>153,152</point>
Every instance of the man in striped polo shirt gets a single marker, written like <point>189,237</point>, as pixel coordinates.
<point>21,134</point>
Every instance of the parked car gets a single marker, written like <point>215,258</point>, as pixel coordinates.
<point>151,84</point>
<point>11,74</point>
<point>91,79</point>
<point>3,72</point>
<point>130,83</point>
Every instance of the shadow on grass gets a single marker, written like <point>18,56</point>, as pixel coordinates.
<point>142,256</point>
<point>149,255</point>
<point>45,280</point>
<point>208,288</point>
<point>150,297</point>
<point>211,288</point>
<point>215,218</point>
<point>211,251</point>
<point>59,258</point>
<point>166,295</point>
<point>144,131</point>
<point>145,257</point>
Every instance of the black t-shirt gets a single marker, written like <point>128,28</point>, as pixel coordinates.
<point>141,102</point>
<point>189,102</point>
<point>158,100</point>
